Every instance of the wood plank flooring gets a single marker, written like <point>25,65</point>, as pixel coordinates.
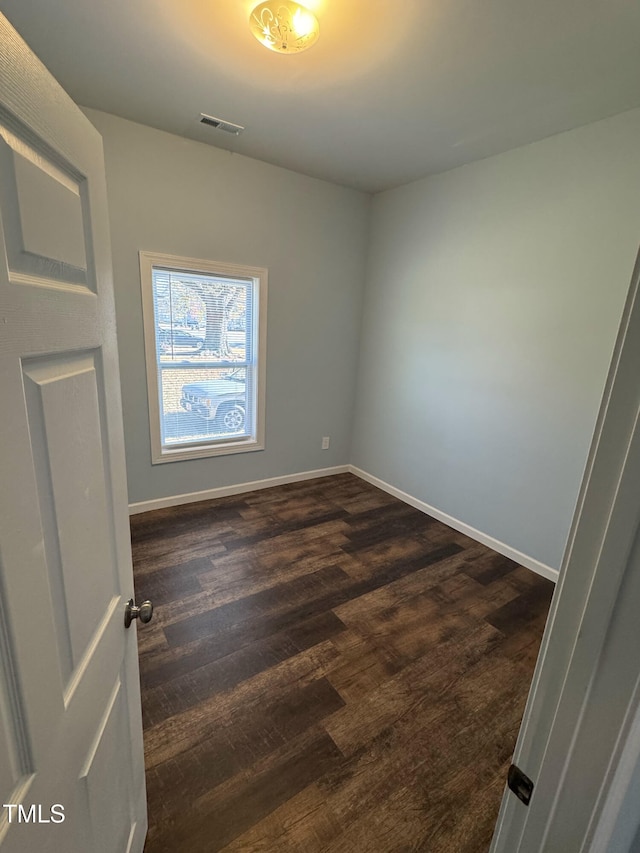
<point>328,669</point>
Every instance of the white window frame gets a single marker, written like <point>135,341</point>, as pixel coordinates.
<point>213,447</point>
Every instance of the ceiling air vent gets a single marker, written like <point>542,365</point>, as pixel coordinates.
<point>221,124</point>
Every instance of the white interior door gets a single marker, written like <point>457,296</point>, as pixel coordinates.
<point>70,723</point>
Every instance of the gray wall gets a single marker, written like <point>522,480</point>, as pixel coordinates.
<point>493,298</point>
<point>173,195</point>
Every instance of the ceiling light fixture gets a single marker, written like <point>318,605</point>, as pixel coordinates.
<point>284,26</point>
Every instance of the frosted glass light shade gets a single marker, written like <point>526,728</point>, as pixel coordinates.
<point>284,26</point>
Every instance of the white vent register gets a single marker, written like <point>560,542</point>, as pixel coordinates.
<point>221,124</point>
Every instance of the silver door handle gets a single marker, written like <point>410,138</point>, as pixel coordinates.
<point>143,613</point>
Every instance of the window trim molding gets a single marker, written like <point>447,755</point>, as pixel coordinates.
<point>259,275</point>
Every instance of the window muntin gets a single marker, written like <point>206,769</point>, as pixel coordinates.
<point>204,335</point>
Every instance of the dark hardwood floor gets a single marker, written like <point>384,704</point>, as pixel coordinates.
<point>328,669</point>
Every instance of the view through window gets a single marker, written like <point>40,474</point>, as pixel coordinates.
<point>205,328</point>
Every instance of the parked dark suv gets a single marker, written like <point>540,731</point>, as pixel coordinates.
<point>222,400</point>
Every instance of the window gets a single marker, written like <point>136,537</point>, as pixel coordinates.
<point>204,328</point>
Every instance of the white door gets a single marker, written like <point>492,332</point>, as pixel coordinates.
<point>70,723</point>
<point>578,737</point>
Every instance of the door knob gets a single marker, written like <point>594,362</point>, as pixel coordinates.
<point>143,613</point>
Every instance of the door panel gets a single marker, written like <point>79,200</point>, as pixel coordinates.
<point>15,759</point>
<point>63,415</point>
<point>70,722</point>
<point>43,213</point>
<point>105,778</point>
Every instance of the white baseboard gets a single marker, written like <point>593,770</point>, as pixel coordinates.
<point>237,489</point>
<point>506,550</point>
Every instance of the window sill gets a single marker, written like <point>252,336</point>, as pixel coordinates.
<point>180,454</point>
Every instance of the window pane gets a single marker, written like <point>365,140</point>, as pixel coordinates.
<point>204,378</point>
<point>202,324</point>
<point>201,317</point>
<point>203,404</point>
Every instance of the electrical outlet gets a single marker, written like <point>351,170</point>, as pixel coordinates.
<point>325,442</point>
